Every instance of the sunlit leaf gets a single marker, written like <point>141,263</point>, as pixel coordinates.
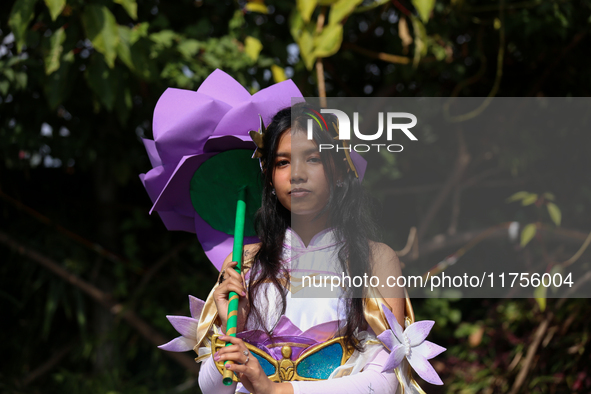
<point>306,44</point>
<point>190,48</point>
<point>555,213</point>
<point>424,8</point>
<point>101,29</point>
<point>540,296</point>
<point>420,39</point>
<point>21,15</point>
<point>549,196</point>
<point>329,41</point>
<point>253,6</point>
<point>532,198</point>
<point>55,7</point>
<point>164,38</point>
<point>528,233</point>
<point>102,80</point>
<point>58,84</point>
<point>306,8</point>
<point>342,9</point>
<point>54,52</point>
<point>278,73</point>
<point>252,47</point>
<point>138,31</point>
<point>296,24</point>
<point>518,196</point>
<point>130,7</point>
<point>124,46</point>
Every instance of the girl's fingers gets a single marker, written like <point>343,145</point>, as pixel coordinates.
<point>232,340</point>
<point>237,357</point>
<point>236,288</point>
<point>238,368</point>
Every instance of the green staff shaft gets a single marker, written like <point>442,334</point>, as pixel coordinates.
<point>236,256</point>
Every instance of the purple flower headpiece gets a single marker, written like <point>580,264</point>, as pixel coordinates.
<point>191,127</point>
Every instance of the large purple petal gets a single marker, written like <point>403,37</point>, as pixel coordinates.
<point>183,121</point>
<point>394,325</point>
<point>153,155</point>
<point>216,244</point>
<point>196,306</point>
<point>266,102</point>
<point>394,359</point>
<point>428,349</point>
<point>186,326</point>
<point>179,344</point>
<point>423,368</point>
<point>175,222</point>
<point>224,88</point>
<point>176,194</point>
<point>388,339</point>
<point>418,331</point>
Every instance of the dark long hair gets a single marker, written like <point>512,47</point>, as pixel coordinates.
<point>348,213</point>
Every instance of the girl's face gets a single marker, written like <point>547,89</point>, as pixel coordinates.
<point>298,177</point>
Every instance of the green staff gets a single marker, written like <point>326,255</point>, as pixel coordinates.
<point>236,256</point>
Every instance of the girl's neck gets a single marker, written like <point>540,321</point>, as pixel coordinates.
<point>307,227</point>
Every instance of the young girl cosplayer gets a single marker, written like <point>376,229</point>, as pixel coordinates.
<point>313,223</point>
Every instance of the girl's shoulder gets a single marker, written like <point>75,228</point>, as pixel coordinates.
<point>383,258</point>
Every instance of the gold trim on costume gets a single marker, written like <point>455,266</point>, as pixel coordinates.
<point>285,369</point>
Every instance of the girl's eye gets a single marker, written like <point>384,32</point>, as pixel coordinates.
<point>281,163</point>
<point>314,159</point>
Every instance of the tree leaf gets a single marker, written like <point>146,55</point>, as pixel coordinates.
<point>124,46</point>
<point>252,47</point>
<point>102,81</point>
<point>424,8</point>
<point>306,8</point>
<point>527,234</point>
<point>55,7</point>
<point>58,83</point>
<point>555,213</point>
<point>278,73</point>
<point>306,44</point>
<point>130,7</point>
<point>54,52</point>
<point>420,34</point>
<point>540,296</point>
<point>101,29</point>
<point>253,6</point>
<point>549,196</point>
<point>518,196</point>
<point>342,9</point>
<point>21,15</point>
<point>532,198</point>
<point>296,24</point>
<point>329,41</point>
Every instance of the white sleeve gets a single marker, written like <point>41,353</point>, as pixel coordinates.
<point>371,378</point>
<point>210,379</point>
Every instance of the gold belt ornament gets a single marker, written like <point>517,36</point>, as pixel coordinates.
<point>314,364</point>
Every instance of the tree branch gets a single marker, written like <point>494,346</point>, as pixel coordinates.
<point>454,178</point>
<point>102,298</point>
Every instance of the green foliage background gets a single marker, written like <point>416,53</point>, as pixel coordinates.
<point>78,84</point>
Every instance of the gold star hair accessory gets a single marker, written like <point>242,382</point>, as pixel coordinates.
<point>258,137</point>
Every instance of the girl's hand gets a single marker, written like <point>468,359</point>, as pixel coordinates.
<point>232,281</point>
<point>247,368</point>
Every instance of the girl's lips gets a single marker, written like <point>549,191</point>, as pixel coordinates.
<point>299,192</point>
